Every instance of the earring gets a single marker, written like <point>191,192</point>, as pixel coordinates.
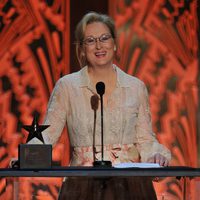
<point>115,48</point>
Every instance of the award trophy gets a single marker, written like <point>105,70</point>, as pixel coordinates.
<point>35,156</point>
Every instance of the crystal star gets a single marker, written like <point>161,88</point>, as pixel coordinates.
<point>35,130</point>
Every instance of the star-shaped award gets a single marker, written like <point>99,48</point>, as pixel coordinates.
<point>35,130</point>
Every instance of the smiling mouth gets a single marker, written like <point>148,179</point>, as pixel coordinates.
<point>100,54</point>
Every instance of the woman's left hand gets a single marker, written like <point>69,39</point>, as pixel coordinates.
<point>158,158</point>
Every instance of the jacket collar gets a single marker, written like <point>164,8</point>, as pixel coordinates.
<point>122,78</point>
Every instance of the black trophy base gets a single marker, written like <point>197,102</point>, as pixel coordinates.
<point>35,156</point>
<point>102,163</point>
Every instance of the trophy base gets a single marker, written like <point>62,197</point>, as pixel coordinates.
<point>35,156</point>
<point>102,163</point>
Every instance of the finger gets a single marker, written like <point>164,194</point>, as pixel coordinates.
<point>158,159</point>
<point>150,160</point>
<point>166,163</point>
<point>161,160</point>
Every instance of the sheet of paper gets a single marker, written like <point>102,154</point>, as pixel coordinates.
<point>139,165</point>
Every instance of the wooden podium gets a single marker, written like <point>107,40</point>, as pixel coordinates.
<point>84,173</point>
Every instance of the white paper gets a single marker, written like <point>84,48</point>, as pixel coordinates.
<point>139,165</point>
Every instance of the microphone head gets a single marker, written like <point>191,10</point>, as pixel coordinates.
<point>100,87</point>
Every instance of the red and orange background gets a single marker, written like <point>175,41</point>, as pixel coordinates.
<point>159,43</point>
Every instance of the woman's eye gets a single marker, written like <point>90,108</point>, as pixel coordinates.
<point>104,38</point>
<point>89,40</point>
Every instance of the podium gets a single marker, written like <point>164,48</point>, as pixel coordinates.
<point>184,174</point>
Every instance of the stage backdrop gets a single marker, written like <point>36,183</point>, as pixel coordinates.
<point>158,43</point>
<point>34,53</point>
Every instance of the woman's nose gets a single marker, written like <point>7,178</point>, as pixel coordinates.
<point>98,44</point>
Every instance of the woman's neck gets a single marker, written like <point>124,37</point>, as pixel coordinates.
<point>101,73</point>
<point>106,75</point>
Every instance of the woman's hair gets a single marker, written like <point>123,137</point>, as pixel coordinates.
<point>90,18</point>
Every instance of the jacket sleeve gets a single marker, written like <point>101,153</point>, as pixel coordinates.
<point>55,115</point>
<point>147,144</point>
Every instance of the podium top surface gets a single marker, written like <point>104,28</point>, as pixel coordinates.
<point>102,172</point>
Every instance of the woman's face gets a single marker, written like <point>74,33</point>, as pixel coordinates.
<point>98,45</point>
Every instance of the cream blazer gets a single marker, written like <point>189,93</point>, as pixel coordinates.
<point>128,135</point>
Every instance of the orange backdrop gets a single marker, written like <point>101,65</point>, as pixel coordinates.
<point>159,44</point>
<point>34,53</point>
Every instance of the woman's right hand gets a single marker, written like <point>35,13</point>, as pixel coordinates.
<point>14,163</point>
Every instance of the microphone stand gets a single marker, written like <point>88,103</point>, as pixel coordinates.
<point>103,163</point>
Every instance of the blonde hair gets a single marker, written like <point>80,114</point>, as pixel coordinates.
<point>90,18</point>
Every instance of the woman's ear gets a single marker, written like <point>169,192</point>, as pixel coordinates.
<point>83,59</point>
<point>82,52</point>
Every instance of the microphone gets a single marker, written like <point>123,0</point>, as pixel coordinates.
<point>100,87</point>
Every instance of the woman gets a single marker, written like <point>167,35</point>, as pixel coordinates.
<point>128,135</point>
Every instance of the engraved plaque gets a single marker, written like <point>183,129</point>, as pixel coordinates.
<point>35,156</point>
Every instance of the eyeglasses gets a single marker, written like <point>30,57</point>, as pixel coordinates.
<point>92,40</point>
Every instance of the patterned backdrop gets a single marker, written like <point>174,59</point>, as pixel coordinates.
<point>34,53</point>
<point>158,43</point>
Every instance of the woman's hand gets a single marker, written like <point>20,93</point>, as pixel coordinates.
<point>14,163</point>
<point>158,158</point>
